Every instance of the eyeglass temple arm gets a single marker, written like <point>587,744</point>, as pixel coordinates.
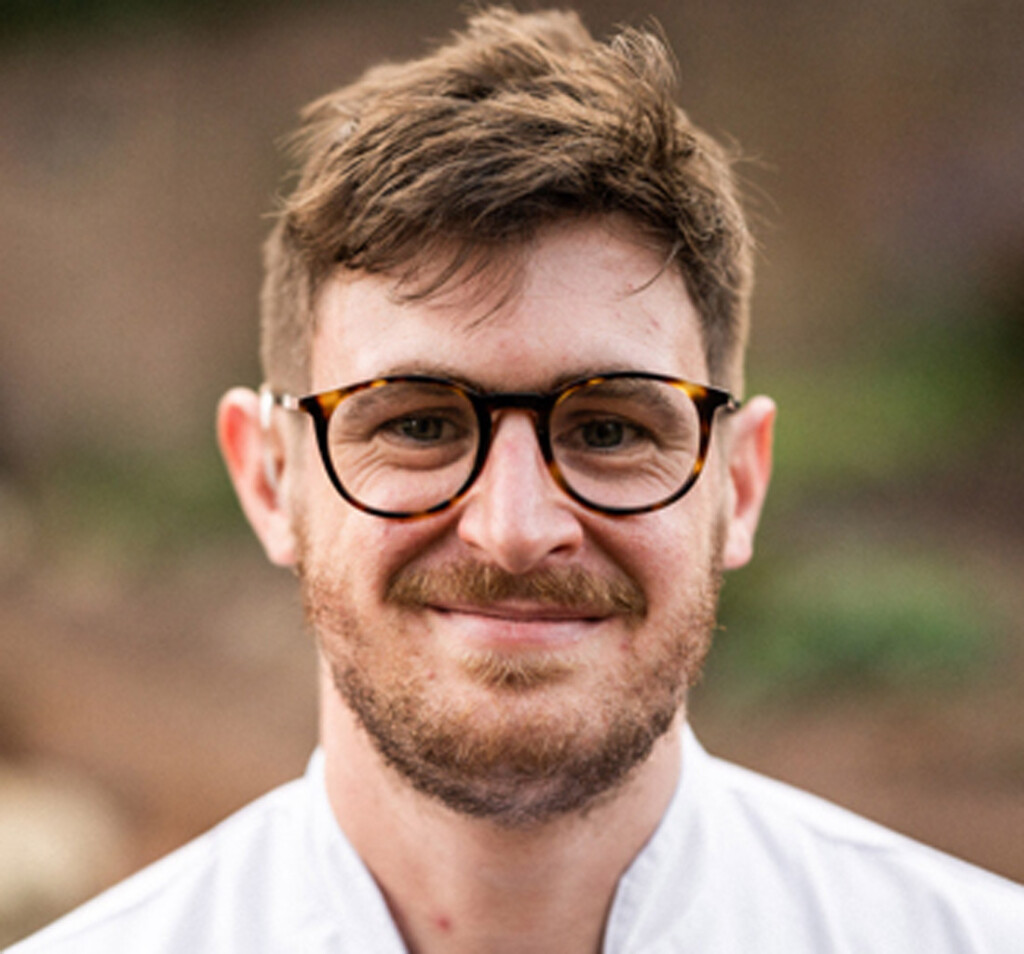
<point>270,399</point>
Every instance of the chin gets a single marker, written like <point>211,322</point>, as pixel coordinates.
<point>522,740</point>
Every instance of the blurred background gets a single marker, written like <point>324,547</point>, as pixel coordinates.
<point>155,673</point>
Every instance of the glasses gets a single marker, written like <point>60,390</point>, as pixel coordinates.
<point>409,446</point>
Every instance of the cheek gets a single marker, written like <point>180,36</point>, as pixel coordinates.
<point>670,551</point>
<point>343,543</point>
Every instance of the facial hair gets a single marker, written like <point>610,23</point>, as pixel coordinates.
<point>522,759</point>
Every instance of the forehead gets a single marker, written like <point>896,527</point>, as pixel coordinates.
<point>582,297</point>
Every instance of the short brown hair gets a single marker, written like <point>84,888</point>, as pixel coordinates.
<point>521,120</point>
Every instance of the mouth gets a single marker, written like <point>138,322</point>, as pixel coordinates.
<point>521,611</point>
<point>512,626</point>
<point>483,607</point>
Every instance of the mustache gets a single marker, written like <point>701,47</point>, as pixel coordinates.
<point>569,588</point>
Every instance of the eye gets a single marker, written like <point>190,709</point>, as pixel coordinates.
<point>603,434</point>
<point>421,429</point>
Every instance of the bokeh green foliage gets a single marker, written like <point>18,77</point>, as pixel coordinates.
<point>135,512</point>
<point>921,403</point>
<point>853,618</point>
<point>842,596</point>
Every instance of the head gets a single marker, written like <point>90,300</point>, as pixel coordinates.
<point>520,209</point>
<point>440,169</point>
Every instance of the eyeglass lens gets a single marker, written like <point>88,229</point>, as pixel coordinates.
<point>411,445</point>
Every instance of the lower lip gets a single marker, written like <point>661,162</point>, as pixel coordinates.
<point>511,633</point>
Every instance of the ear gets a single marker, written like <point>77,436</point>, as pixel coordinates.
<point>750,468</point>
<point>254,452</point>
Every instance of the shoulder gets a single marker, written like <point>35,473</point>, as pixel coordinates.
<point>249,864</point>
<point>868,881</point>
<point>742,862</point>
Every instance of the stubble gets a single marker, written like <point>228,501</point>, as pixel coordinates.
<point>524,756</point>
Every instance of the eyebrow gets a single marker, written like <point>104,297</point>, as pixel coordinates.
<point>438,369</point>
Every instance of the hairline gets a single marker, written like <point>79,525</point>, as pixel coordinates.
<point>508,260</point>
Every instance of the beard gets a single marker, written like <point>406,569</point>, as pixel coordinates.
<point>529,751</point>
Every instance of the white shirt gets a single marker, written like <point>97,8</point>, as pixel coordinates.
<point>740,864</point>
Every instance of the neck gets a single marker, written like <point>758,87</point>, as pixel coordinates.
<point>455,883</point>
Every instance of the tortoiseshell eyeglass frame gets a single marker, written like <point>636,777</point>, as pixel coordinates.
<point>322,405</point>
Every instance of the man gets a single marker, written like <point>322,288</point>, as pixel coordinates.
<point>502,446</point>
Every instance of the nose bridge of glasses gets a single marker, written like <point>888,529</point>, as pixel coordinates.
<point>518,400</point>
<point>537,404</point>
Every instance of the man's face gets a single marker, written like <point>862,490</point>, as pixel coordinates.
<point>518,654</point>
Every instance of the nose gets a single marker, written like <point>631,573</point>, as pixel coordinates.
<point>515,516</point>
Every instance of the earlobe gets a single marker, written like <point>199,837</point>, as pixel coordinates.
<point>254,455</point>
<point>750,468</point>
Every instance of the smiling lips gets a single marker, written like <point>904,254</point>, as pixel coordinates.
<point>522,612</point>
<point>488,607</point>
<point>518,626</point>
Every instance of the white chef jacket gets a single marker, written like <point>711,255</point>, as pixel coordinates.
<point>740,864</point>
